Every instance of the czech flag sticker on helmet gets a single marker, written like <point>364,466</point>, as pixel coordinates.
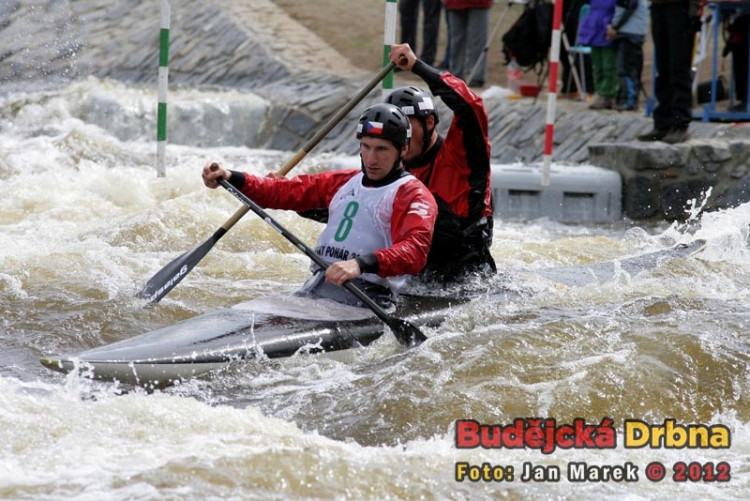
<point>374,127</point>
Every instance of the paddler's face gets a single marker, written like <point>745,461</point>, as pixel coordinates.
<point>379,156</point>
<point>417,138</point>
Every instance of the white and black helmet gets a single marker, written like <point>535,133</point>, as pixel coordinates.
<point>385,121</point>
<point>413,101</point>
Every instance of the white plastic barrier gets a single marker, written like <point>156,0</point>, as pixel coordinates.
<point>576,194</point>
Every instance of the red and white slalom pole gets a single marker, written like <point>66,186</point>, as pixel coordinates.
<point>554,60</point>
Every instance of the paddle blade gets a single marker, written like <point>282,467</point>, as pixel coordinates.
<point>406,332</point>
<point>172,274</point>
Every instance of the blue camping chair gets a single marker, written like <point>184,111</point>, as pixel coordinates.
<point>580,51</point>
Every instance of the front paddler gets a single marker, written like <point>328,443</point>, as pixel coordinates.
<point>381,218</point>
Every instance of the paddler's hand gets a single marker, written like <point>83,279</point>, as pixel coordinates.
<point>341,271</point>
<point>403,56</point>
<point>213,171</point>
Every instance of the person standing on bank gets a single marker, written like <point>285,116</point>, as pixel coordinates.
<point>628,31</point>
<point>455,168</point>
<point>673,27</point>
<point>408,11</point>
<point>737,44</point>
<point>593,32</point>
<point>469,24</point>
<point>381,218</point>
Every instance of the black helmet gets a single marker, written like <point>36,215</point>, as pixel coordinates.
<point>386,122</point>
<point>413,101</point>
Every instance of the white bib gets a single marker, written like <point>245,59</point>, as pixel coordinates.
<point>359,222</point>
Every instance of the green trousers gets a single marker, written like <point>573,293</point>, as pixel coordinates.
<point>604,65</point>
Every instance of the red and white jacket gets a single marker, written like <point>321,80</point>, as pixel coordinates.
<point>456,170</point>
<point>410,215</point>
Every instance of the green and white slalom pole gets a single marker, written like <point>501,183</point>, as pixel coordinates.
<point>389,38</point>
<point>161,120</point>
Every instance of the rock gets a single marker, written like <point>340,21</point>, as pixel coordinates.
<point>642,200</point>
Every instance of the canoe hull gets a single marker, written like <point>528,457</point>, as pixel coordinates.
<point>284,326</point>
<point>249,330</point>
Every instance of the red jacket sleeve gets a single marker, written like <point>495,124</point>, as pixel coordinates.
<point>412,223</point>
<point>461,176</point>
<point>299,193</point>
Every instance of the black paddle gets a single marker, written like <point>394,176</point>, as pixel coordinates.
<point>407,333</point>
<point>168,277</point>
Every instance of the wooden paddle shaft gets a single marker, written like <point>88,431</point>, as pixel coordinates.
<point>309,145</point>
<point>323,132</point>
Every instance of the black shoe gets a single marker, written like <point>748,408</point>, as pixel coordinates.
<point>653,135</point>
<point>675,136</point>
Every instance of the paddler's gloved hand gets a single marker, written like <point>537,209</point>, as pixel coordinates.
<point>213,171</point>
<point>402,56</point>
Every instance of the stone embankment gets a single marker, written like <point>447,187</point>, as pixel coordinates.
<point>252,46</point>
